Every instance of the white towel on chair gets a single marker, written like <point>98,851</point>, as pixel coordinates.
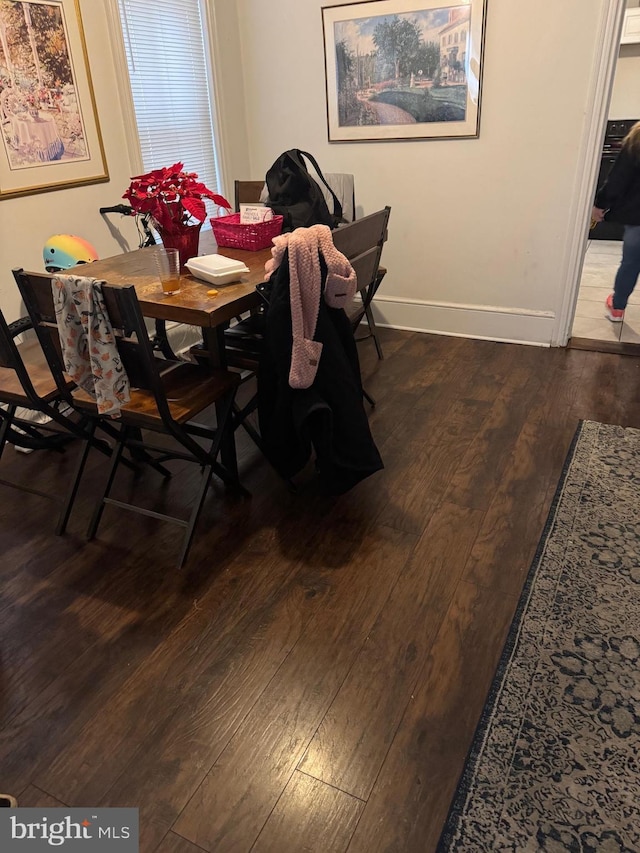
<point>89,350</point>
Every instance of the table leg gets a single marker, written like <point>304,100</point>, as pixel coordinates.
<point>214,345</point>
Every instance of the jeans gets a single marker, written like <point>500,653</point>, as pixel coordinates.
<point>629,270</point>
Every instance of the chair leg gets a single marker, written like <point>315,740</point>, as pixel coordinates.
<point>7,416</point>
<point>69,500</point>
<point>228,455</point>
<point>253,434</point>
<point>139,454</point>
<point>115,460</point>
<point>205,481</point>
<point>240,420</point>
<point>240,414</point>
<point>207,460</point>
<point>67,504</point>
<point>374,331</point>
<point>228,477</point>
<point>87,425</point>
<point>224,433</point>
<point>34,437</point>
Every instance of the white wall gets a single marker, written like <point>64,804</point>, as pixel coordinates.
<point>625,97</point>
<point>479,227</point>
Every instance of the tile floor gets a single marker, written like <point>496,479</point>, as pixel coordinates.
<point>600,266</point>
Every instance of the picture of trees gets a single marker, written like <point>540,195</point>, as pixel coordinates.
<point>40,113</point>
<point>402,69</point>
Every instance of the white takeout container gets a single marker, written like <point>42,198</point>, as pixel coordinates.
<point>216,269</point>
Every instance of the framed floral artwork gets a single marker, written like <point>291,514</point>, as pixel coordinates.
<point>50,131</point>
<point>403,69</point>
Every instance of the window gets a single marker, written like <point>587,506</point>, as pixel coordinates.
<point>167,54</point>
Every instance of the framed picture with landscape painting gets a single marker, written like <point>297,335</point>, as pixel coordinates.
<point>403,69</point>
<point>50,136</point>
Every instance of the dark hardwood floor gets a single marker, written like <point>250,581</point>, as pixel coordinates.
<point>311,680</point>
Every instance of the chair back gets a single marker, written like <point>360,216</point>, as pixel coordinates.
<point>130,332</point>
<point>11,359</point>
<point>362,242</point>
<point>132,338</point>
<point>134,346</point>
<point>343,185</point>
<point>9,355</point>
<point>38,299</point>
<point>247,192</point>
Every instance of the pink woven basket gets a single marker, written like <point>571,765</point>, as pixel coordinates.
<point>230,234</point>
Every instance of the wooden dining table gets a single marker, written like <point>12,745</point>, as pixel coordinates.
<point>193,304</point>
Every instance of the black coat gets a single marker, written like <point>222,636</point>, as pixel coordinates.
<point>620,194</point>
<point>328,417</point>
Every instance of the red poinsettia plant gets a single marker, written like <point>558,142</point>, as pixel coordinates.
<point>172,196</point>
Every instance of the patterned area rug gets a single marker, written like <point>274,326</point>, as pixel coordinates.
<point>555,763</point>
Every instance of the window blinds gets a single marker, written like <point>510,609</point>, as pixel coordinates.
<point>166,48</point>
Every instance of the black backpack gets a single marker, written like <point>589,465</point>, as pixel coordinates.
<point>296,196</point>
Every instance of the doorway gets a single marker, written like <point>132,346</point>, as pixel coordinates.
<point>591,329</point>
<point>590,326</point>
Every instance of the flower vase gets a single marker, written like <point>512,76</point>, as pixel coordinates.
<point>186,239</point>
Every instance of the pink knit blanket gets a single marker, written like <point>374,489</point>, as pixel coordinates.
<point>305,285</point>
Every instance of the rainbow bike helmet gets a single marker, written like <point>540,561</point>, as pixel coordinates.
<point>63,251</point>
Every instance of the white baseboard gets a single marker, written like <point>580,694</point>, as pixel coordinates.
<point>485,322</point>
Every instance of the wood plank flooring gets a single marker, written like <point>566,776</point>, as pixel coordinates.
<point>312,679</point>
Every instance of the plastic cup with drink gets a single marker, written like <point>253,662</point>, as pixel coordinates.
<point>168,266</point>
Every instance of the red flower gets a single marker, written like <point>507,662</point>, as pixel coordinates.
<point>172,196</point>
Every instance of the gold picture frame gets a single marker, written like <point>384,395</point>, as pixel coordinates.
<point>50,133</point>
<point>403,69</point>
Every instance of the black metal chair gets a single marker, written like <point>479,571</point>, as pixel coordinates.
<point>165,397</point>
<point>250,191</point>
<point>362,242</point>
<point>344,187</point>
<point>26,383</point>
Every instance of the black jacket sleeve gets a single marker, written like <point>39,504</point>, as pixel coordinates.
<point>620,179</point>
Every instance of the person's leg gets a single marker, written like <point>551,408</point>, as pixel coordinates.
<point>629,269</point>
